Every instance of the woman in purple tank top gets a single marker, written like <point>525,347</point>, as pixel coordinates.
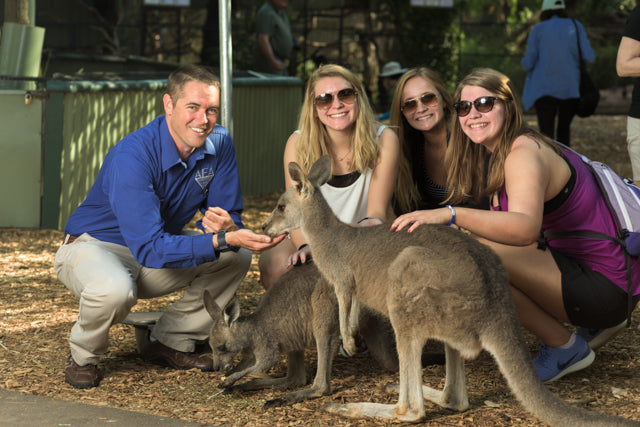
<point>534,186</point>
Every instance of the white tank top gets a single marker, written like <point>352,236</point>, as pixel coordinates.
<point>349,204</point>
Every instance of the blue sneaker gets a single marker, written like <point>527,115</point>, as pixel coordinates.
<point>596,338</point>
<point>553,362</point>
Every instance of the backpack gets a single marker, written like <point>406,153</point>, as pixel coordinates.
<point>622,197</point>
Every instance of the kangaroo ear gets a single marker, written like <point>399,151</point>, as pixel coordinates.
<point>297,176</point>
<point>212,307</point>
<point>231,311</point>
<point>320,171</point>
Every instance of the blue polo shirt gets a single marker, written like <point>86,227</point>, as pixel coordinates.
<point>145,194</point>
<point>552,62</point>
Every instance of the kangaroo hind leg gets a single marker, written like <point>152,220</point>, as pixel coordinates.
<point>454,395</point>
<point>410,406</point>
<point>325,327</point>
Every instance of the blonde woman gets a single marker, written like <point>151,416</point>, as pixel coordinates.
<point>337,119</point>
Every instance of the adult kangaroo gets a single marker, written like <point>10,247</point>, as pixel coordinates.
<point>435,282</point>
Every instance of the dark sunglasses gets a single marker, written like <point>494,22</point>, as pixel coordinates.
<point>484,104</point>
<point>427,99</point>
<point>325,100</point>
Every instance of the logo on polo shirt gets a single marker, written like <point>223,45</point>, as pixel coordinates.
<point>204,177</point>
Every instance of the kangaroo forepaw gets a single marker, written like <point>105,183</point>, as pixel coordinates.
<point>229,382</point>
<point>348,347</point>
<point>274,403</point>
<point>227,390</point>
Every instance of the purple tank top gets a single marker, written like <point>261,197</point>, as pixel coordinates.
<point>584,209</point>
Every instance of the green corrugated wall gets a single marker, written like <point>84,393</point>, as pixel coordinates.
<point>265,113</point>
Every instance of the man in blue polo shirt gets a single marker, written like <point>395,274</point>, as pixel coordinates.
<point>125,241</point>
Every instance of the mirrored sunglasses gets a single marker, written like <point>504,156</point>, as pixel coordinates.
<point>427,99</point>
<point>484,104</point>
<point>325,100</point>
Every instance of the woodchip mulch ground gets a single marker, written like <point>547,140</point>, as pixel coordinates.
<point>37,312</point>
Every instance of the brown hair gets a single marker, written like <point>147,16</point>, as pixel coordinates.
<point>407,194</point>
<point>465,161</point>
<point>187,73</point>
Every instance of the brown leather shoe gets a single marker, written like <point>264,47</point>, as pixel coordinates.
<point>158,353</point>
<point>81,376</point>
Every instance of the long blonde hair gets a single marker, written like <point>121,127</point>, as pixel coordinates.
<point>465,160</point>
<point>407,195</point>
<point>312,143</point>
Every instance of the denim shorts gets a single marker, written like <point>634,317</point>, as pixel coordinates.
<point>591,300</point>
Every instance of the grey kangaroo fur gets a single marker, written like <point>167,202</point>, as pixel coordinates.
<point>435,282</point>
<point>297,312</point>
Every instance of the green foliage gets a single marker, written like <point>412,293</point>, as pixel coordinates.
<point>243,35</point>
<point>474,33</point>
<point>603,70</point>
<point>496,35</point>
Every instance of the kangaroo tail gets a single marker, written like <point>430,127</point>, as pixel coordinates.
<point>508,347</point>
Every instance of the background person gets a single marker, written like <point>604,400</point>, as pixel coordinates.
<point>275,42</point>
<point>124,241</point>
<point>535,185</point>
<point>628,65</point>
<point>336,119</point>
<point>387,79</point>
<point>553,70</point>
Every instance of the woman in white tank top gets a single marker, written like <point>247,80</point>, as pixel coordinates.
<point>336,119</point>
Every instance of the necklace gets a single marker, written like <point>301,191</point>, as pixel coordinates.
<point>345,156</point>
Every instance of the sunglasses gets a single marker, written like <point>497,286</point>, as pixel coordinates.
<point>427,99</point>
<point>325,100</point>
<point>484,104</point>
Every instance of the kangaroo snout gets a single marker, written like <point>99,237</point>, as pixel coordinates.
<point>265,229</point>
<point>270,230</point>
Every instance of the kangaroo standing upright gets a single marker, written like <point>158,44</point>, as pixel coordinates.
<point>435,282</point>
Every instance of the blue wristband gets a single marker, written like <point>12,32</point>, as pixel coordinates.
<point>453,215</point>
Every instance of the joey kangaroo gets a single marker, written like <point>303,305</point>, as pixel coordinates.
<point>298,311</point>
<point>435,282</point>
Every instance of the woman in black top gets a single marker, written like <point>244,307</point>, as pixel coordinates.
<point>421,112</point>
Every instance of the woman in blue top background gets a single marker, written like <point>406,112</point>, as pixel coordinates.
<point>553,69</point>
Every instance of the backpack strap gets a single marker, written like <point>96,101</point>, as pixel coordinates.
<point>588,234</point>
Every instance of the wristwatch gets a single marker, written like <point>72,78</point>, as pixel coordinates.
<point>223,246</point>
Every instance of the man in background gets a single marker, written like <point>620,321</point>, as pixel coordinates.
<point>275,42</point>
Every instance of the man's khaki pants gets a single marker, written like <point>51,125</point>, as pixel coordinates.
<point>109,281</point>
